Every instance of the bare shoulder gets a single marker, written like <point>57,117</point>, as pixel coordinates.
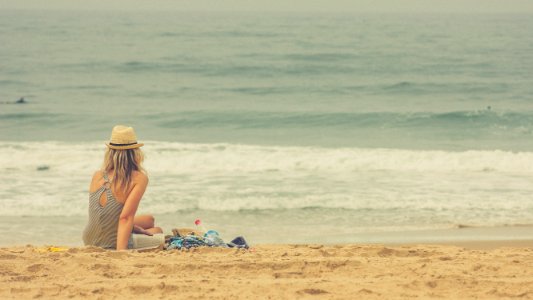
<point>139,177</point>
<point>97,175</point>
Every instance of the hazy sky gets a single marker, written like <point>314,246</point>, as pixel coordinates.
<point>445,6</point>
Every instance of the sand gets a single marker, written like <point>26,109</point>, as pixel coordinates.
<point>271,271</point>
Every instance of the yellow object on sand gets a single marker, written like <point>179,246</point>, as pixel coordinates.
<point>52,249</point>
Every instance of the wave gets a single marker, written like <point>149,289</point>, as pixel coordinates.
<point>459,130</point>
<point>7,82</point>
<point>457,119</point>
<point>321,57</point>
<point>515,225</point>
<point>271,119</point>
<point>183,158</point>
<point>51,178</point>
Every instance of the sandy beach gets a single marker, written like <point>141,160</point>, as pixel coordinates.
<point>363,149</point>
<point>493,270</point>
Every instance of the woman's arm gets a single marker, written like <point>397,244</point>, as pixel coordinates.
<point>125,221</point>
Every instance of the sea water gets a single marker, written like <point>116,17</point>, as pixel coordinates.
<point>280,126</point>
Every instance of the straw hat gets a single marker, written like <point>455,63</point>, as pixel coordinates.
<point>123,138</point>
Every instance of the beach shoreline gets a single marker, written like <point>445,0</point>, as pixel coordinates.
<point>373,271</point>
<point>264,228</point>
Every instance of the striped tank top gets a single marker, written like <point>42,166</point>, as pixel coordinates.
<point>101,230</point>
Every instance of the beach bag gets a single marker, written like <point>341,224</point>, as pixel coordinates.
<point>238,242</point>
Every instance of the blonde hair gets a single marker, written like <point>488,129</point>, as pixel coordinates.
<point>123,163</point>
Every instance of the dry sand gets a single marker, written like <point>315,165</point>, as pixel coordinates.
<point>271,271</point>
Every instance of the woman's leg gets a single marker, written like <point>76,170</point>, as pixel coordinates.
<point>144,221</point>
<point>147,223</point>
<point>155,230</point>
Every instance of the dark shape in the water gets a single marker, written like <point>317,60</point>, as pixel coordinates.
<point>43,168</point>
<point>21,100</point>
<point>489,108</point>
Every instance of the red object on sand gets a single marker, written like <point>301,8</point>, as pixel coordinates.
<point>197,222</point>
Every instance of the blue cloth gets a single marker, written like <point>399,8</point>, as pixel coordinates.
<point>210,239</point>
<point>188,241</point>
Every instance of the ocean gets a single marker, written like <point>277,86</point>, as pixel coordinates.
<point>283,127</point>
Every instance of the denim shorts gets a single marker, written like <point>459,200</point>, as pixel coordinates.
<point>130,242</point>
<point>142,241</point>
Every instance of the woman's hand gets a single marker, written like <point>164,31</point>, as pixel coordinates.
<point>138,229</point>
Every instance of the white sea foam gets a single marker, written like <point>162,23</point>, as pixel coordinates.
<point>186,158</point>
<point>175,157</point>
<point>51,178</point>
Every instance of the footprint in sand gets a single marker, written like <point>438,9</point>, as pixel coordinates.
<point>35,268</point>
<point>8,256</point>
<point>22,278</point>
<point>141,289</point>
<point>312,291</point>
<point>103,267</point>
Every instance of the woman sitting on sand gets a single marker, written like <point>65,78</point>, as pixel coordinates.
<point>115,193</point>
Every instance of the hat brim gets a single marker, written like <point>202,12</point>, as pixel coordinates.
<point>124,147</point>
